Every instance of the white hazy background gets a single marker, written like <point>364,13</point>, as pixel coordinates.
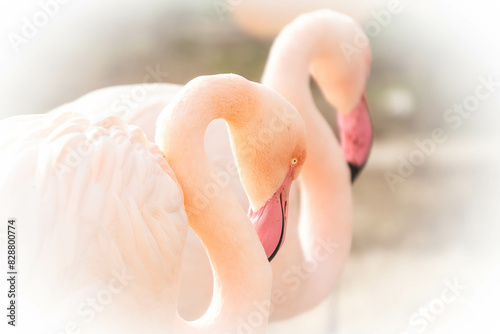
<point>440,224</point>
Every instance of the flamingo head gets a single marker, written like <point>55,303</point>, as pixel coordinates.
<point>269,156</point>
<point>341,68</point>
<point>356,136</point>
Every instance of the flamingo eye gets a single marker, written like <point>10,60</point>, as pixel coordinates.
<point>294,161</point>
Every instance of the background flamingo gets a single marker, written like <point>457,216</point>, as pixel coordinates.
<point>121,206</point>
<point>265,19</point>
<point>325,192</point>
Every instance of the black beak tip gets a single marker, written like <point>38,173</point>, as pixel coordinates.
<point>272,256</point>
<point>355,170</point>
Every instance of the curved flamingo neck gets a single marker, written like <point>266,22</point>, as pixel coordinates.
<point>242,274</point>
<point>326,201</point>
<point>312,45</point>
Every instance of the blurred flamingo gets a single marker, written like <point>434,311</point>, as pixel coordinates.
<point>265,19</point>
<point>319,236</point>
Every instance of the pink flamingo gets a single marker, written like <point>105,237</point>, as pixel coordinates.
<point>123,203</point>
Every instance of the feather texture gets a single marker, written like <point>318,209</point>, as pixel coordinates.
<point>92,196</point>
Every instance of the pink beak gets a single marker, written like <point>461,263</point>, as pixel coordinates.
<point>356,136</point>
<point>270,221</point>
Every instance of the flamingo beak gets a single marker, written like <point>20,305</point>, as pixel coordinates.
<point>270,221</point>
<point>355,170</point>
<point>356,136</point>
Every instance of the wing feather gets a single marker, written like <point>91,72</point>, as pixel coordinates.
<point>92,196</point>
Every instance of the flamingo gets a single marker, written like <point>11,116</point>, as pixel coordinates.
<point>320,216</point>
<point>273,16</point>
<point>118,210</point>
<point>311,45</point>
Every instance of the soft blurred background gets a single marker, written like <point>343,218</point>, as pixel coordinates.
<point>438,225</point>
